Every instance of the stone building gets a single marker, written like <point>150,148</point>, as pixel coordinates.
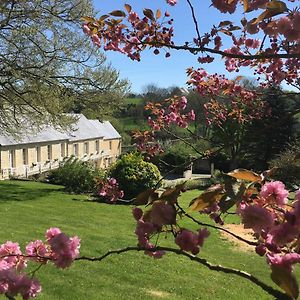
<point>36,152</point>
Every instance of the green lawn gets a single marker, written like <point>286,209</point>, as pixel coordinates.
<point>137,101</point>
<point>27,209</point>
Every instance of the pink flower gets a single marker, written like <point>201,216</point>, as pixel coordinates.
<point>274,192</point>
<point>37,248</point>
<point>25,286</point>
<point>64,250</point>
<point>183,102</point>
<point>191,115</point>
<point>284,261</point>
<point>133,16</point>
<point>188,241</point>
<point>137,213</point>
<point>257,218</point>
<point>86,29</point>
<point>52,232</point>
<point>282,234</point>
<point>172,2</point>
<point>283,25</point>
<point>96,40</point>
<point>261,249</point>
<point>10,248</point>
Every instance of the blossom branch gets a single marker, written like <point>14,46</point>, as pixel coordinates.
<point>202,261</point>
<point>195,50</point>
<point>251,243</point>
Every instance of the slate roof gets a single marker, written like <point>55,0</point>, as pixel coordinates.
<point>109,132</point>
<point>83,129</point>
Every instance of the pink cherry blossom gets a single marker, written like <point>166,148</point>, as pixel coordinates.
<point>257,218</point>
<point>137,213</point>
<point>190,241</point>
<point>37,248</point>
<point>52,232</point>
<point>274,192</point>
<point>64,250</point>
<point>172,2</point>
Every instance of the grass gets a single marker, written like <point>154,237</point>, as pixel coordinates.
<point>27,209</point>
<point>137,101</point>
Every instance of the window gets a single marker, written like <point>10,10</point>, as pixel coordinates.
<point>110,145</point>
<point>86,148</point>
<point>49,152</point>
<point>25,156</point>
<point>75,149</point>
<point>38,154</point>
<point>12,158</point>
<point>97,146</point>
<point>62,150</point>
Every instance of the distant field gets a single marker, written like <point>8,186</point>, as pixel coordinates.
<point>134,100</point>
<point>27,209</point>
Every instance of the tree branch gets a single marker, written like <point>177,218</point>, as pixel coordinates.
<point>196,50</point>
<point>219,268</point>
<point>216,227</point>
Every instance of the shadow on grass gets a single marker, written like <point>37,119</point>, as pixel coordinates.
<point>18,192</point>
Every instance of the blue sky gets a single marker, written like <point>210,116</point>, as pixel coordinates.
<point>156,68</point>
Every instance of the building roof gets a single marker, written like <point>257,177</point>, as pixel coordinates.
<point>83,129</point>
<point>109,132</point>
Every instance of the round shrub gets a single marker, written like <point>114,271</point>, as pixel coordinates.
<point>134,175</point>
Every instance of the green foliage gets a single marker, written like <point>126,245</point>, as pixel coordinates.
<point>179,154</point>
<point>288,164</point>
<point>134,175</point>
<point>75,175</point>
<point>53,68</point>
<point>265,138</point>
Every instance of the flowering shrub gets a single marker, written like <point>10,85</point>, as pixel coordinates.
<point>57,248</point>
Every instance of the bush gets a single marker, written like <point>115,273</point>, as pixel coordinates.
<point>134,175</point>
<point>288,164</point>
<point>75,175</point>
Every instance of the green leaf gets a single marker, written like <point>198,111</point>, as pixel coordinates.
<point>149,14</point>
<point>208,197</point>
<point>286,280</point>
<point>117,13</point>
<point>245,175</point>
